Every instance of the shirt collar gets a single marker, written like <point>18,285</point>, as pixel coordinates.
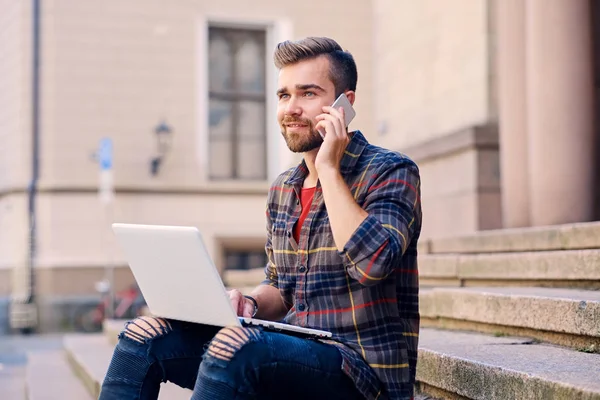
<point>351,155</point>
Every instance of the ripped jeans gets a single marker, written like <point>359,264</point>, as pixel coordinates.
<point>223,363</point>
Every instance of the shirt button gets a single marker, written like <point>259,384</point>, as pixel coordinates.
<point>301,307</point>
<point>302,269</point>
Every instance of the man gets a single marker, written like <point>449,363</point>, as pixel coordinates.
<point>342,231</point>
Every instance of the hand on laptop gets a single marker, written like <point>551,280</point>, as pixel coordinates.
<point>243,306</point>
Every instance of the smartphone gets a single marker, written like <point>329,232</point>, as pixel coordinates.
<point>349,113</point>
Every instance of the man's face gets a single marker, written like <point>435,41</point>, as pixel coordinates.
<point>304,88</point>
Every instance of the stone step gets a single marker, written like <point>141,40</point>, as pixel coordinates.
<point>561,316</point>
<point>49,377</point>
<point>558,237</point>
<point>569,268</point>
<point>90,355</point>
<point>474,366</point>
<point>112,328</point>
<point>482,367</point>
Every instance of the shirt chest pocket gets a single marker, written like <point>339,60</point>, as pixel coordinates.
<point>283,251</point>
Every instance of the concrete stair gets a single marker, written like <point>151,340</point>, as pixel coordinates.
<point>90,355</point>
<point>475,366</point>
<point>567,317</point>
<point>511,314</point>
<point>562,268</point>
<point>452,364</point>
<point>49,377</point>
<point>112,328</point>
<point>505,315</point>
<point>553,256</point>
<point>556,237</point>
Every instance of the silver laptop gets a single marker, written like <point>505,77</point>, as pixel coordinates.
<point>180,281</point>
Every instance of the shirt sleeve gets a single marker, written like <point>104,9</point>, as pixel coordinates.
<point>393,203</point>
<point>271,277</point>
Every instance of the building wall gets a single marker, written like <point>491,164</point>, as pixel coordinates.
<point>86,240</point>
<point>435,85</point>
<point>117,69</point>
<point>15,84</point>
<point>15,134</point>
<point>13,237</point>
<point>427,87</point>
<point>432,63</point>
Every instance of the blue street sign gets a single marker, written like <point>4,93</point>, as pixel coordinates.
<point>105,154</point>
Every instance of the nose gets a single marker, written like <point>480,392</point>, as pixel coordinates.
<point>292,107</point>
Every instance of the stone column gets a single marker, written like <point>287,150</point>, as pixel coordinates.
<point>510,20</point>
<point>560,111</point>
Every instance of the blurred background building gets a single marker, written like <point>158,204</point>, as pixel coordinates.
<point>496,100</point>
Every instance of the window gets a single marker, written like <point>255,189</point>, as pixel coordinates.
<point>245,259</point>
<point>237,114</point>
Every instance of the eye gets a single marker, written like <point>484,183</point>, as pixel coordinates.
<point>309,94</point>
<point>283,96</point>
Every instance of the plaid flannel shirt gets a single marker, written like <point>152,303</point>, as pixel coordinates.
<point>367,294</point>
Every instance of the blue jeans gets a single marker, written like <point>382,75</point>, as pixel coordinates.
<point>228,363</point>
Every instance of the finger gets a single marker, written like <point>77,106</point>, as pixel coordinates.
<point>327,126</point>
<point>344,130</point>
<point>320,129</point>
<point>332,111</point>
<point>321,117</point>
<point>234,304</point>
<point>236,296</point>
<point>339,113</point>
<point>241,305</point>
<point>248,309</point>
<point>336,123</point>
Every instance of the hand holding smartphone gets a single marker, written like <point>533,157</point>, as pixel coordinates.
<point>349,112</point>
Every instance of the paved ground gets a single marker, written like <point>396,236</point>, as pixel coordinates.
<point>13,357</point>
<point>14,348</point>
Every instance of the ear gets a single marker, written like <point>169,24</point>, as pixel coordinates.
<point>351,95</point>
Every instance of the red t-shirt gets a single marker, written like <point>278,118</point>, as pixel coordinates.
<point>306,198</point>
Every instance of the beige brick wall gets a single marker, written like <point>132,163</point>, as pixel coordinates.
<point>15,79</point>
<point>15,134</point>
<point>118,68</point>
<point>75,231</point>
<point>460,193</point>
<point>435,79</point>
<point>431,68</point>
<point>13,230</point>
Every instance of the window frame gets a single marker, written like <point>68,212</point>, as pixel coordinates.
<point>278,157</point>
<point>234,36</point>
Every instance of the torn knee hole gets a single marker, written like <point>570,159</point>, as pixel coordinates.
<point>230,340</point>
<point>144,328</point>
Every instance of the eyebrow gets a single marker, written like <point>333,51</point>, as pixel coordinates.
<point>307,86</point>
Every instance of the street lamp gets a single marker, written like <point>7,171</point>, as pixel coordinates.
<point>163,145</point>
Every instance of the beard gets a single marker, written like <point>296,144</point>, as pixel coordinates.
<point>301,142</point>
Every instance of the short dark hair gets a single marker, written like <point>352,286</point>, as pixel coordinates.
<point>342,72</point>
